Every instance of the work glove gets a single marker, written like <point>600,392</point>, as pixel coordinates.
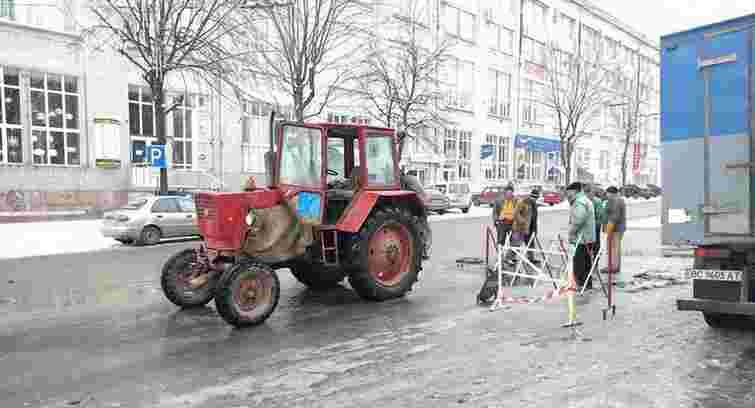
<point>610,228</point>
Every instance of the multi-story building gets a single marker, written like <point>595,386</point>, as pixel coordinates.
<point>77,119</point>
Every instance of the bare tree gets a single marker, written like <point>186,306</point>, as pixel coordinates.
<point>299,46</point>
<point>399,81</point>
<point>166,37</point>
<point>574,94</point>
<point>626,107</point>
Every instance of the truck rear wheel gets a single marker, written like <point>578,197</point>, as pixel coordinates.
<point>247,294</point>
<point>389,255</point>
<point>317,277</point>
<point>182,284</point>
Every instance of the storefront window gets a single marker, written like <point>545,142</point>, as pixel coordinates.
<point>10,116</point>
<point>55,119</point>
<point>141,123</point>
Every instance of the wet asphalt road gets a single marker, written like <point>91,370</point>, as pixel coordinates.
<point>93,330</point>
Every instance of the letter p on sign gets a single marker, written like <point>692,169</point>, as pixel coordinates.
<point>156,154</point>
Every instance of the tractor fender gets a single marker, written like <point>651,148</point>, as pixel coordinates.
<point>364,201</point>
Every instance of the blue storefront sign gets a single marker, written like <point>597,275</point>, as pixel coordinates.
<point>486,150</point>
<point>537,144</point>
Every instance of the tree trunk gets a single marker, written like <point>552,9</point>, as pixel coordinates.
<point>299,104</point>
<point>624,161</point>
<point>158,96</point>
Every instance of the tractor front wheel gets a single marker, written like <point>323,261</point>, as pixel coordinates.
<point>390,255</point>
<point>317,277</point>
<point>184,283</point>
<point>247,294</point>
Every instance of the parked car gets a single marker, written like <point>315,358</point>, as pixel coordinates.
<point>635,191</point>
<point>655,190</point>
<point>147,220</point>
<point>552,197</point>
<point>437,201</point>
<point>599,190</point>
<point>488,195</point>
<point>459,195</point>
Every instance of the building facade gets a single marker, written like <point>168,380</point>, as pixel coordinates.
<point>76,121</point>
<point>494,88</point>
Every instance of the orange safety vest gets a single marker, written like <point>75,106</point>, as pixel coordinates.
<point>507,211</point>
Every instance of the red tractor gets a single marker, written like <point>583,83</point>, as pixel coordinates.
<point>336,206</point>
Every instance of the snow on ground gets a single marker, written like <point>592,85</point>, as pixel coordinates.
<point>19,240</point>
<point>644,223</point>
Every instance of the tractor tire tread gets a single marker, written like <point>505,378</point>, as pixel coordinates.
<point>360,279</point>
<point>224,299</point>
<point>167,280</point>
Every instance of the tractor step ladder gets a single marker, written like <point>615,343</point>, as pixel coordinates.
<point>329,242</point>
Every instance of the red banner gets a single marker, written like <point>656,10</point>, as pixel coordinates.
<point>636,159</point>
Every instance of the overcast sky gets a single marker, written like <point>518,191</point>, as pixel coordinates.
<point>655,18</point>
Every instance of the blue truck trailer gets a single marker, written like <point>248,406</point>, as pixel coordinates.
<point>708,173</point>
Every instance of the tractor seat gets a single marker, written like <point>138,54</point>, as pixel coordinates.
<point>339,194</point>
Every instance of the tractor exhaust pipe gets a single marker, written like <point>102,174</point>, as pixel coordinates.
<point>270,155</point>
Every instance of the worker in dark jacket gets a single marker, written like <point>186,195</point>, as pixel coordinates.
<point>616,224</point>
<point>532,201</point>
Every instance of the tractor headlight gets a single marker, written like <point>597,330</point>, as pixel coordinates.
<point>251,217</point>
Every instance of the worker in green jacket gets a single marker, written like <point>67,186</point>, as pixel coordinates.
<point>582,229</point>
<point>600,206</point>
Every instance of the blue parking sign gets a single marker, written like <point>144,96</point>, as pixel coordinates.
<point>156,156</point>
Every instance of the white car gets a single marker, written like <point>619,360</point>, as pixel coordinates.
<point>459,195</point>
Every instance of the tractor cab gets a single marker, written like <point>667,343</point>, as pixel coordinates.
<point>331,163</point>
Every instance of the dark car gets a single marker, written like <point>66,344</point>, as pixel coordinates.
<point>655,190</point>
<point>599,190</point>
<point>635,191</point>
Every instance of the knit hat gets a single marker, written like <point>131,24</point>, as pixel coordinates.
<point>612,190</point>
<point>575,186</point>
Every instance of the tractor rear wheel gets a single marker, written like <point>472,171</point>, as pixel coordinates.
<point>390,255</point>
<point>183,284</point>
<point>315,276</point>
<point>247,294</point>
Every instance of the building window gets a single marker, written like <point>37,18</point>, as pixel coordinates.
<point>457,148</point>
<point>184,124</point>
<point>565,30</point>
<point>11,146</point>
<point>254,136</point>
<point>141,123</point>
<point>533,51</point>
<point>534,18</point>
<point>500,93</point>
<point>495,168</point>
<point>8,9</point>
<point>605,160</point>
<point>502,39</point>
<point>459,23</point>
<point>531,94</point>
<point>54,106</point>
<point>591,44</point>
<point>457,77</point>
<point>583,157</point>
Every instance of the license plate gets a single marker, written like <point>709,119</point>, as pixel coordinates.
<point>713,274</point>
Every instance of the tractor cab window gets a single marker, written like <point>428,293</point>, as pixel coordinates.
<point>380,162</point>
<point>336,159</point>
<point>301,156</point>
